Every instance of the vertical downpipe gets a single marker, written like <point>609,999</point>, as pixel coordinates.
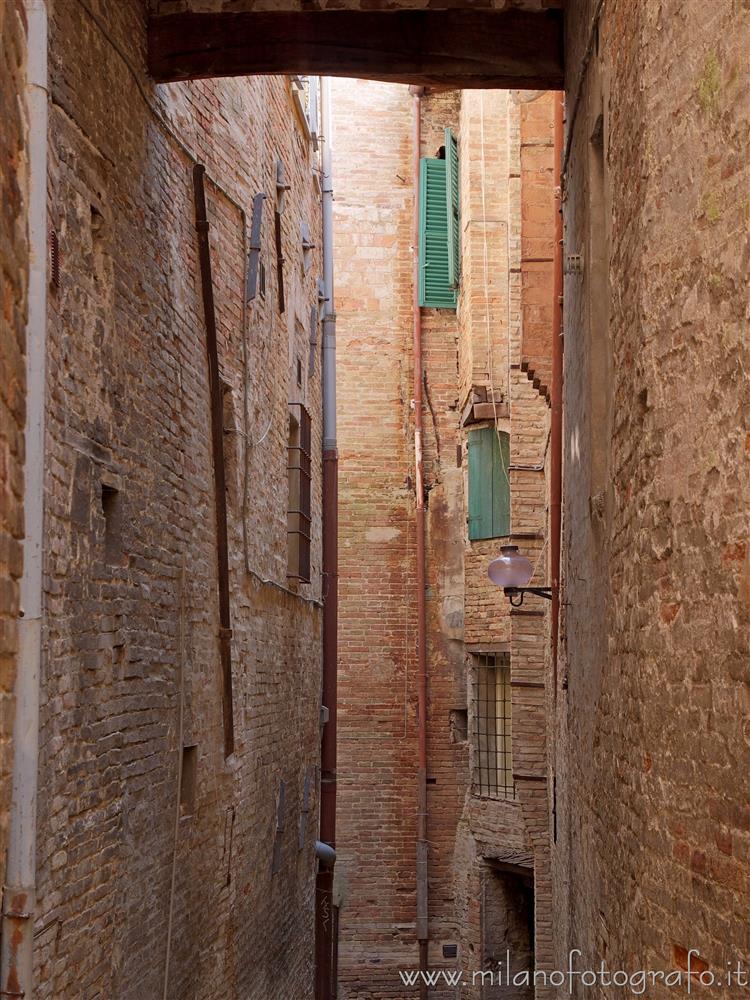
<point>421,846</point>
<point>19,893</point>
<point>324,942</point>
<point>556,395</point>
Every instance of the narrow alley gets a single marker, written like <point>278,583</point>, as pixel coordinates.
<point>374,499</point>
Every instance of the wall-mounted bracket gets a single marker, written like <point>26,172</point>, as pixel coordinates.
<point>254,246</point>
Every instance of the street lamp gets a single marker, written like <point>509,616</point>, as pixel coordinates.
<point>512,571</point>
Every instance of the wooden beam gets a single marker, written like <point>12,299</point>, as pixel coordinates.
<point>458,48</point>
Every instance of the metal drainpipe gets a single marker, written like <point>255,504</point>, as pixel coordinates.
<point>325,988</point>
<point>421,583</point>
<point>19,894</point>
<point>556,395</point>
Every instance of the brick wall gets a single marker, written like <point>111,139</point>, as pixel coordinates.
<point>13,291</point>
<point>652,774</point>
<point>131,666</point>
<point>377,657</point>
<point>465,355</point>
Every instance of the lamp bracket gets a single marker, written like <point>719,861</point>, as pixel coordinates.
<point>516,594</point>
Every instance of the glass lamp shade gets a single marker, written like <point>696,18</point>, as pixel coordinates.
<point>510,569</point>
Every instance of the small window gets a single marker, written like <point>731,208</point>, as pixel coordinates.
<point>279,260</point>
<point>112,510</point>
<point>188,780</point>
<point>299,506</point>
<point>262,279</point>
<point>459,725</point>
<point>492,771</point>
<point>278,840</point>
<point>489,483</point>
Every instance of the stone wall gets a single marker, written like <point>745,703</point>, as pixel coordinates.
<point>13,293</point>
<point>206,887</point>
<point>653,829</point>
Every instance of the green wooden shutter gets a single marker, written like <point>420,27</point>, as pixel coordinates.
<point>434,285</point>
<point>452,208</point>
<point>489,487</point>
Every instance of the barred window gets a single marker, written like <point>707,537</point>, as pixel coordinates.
<point>492,772</point>
<point>298,509</point>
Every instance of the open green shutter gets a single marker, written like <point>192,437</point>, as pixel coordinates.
<point>434,285</point>
<point>489,487</point>
<point>452,208</point>
<point>500,484</point>
<point>480,483</point>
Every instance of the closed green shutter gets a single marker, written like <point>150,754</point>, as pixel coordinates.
<point>489,486</point>
<point>434,286</point>
<point>452,208</point>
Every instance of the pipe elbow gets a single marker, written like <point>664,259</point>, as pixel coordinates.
<point>325,854</point>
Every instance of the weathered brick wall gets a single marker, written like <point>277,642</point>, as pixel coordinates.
<point>652,760</point>
<point>377,727</point>
<point>13,291</point>
<point>377,655</point>
<point>537,212</point>
<point>377,721</point>
<point>485,309</point>
<point>530,425</point>
<point>131,667</point>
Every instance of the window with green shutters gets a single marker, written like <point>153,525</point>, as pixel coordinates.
<point>489,485</point>
<point>451,206</point>
<point>439,237</point>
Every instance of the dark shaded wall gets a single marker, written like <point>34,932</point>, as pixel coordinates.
<point>14,263</point>
<point>213,896</point>
<point>652,746</point>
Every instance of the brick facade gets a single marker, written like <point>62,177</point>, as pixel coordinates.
<point>212,891</point>
<point>469,355</point>
<point>13,292</point>
<point>166,869</point>
<point>652,759</point>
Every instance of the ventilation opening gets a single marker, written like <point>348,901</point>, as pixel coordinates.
<point>112,510</point>
<point>188,780</point>
<point>459,725</point>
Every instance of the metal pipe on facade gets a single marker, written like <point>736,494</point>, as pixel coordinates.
<point>19,894</point>
<point>421,581</point>
<point>325,987</point>
<point>556,394</point>
<point>325,854</point>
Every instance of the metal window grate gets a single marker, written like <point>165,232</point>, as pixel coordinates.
<point>492,773</point>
